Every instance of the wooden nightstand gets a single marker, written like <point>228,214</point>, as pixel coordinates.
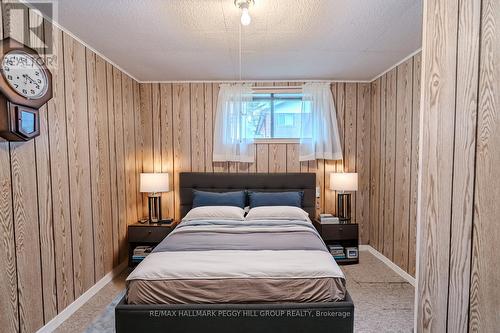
<point>342,234</point>
<point>150,234</point>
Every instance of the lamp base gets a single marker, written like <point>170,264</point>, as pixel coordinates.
<point>344,206</point>
<point>154,207</point>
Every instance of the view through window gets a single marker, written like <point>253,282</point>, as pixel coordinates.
<point>274,116</point>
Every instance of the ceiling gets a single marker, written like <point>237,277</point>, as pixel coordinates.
<point>176,40</point>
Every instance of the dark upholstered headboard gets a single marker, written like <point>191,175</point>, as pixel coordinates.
<point>263,182</point>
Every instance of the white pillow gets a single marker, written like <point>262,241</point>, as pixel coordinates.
<point>277,213</point>
<point>215,213</point>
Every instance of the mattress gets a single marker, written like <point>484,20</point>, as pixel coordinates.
<point>262,261</point>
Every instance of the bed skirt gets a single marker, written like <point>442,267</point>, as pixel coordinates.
<point>241,318</point>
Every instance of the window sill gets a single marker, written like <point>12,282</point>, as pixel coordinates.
<point>276,140</point>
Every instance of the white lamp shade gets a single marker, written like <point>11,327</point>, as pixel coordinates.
<point>344,181</point>
<point>154,182</point>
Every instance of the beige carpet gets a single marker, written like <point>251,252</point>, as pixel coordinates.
<point>383,301</point>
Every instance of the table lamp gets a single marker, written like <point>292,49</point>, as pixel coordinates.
<point>344,182</point>
<point>154,184</point>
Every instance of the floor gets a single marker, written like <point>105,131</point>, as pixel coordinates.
<point>93,309</point>
<point>383,301</point>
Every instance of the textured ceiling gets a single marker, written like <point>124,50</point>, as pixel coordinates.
<point>171,40</point>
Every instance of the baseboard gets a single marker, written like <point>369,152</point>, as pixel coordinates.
<point>388,262</point>
<point>77,303</point>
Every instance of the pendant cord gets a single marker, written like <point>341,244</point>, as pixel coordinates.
<point>239,49</point>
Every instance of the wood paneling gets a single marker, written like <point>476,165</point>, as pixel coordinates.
<point>262,157</point>
<point>9,316</point>
<point>292,157</point>
<point>44,193</point>
<point>144,145</point>
<point>112,163</point>
<point>463,166</point>
<point>485,295</point>
<point>458,201</point>
<point>120,162</point>
<point>412,238</point>
<point>58,156</point>
<point>98,229</point>
<point>381,202</point>
<point>182,135</point>
<point>187,122</point>
<point>209,114</point>
<point>129,154</point>
<point>363,161</point>
<point>24,195</point>
<point>394,158</point>
<point>197,127</point>
<point>390,154</point>
<point>375,159</point>
<point>79,164</point>
<point>403,163</point>
<point>100,153</point>
<point>437,129</point>
<point>138,145</point>
<point>56,191</point>
<point>156,124</point>
<point>277,157</point>
<point>349,132</point>
<point>9,301</point>
<point>167,137</point>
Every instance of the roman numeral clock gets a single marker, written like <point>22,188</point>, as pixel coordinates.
<point>25,85</point>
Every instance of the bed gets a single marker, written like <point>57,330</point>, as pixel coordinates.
<point>265,274</point>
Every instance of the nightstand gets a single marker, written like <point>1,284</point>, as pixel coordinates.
<point>150,234</point>
<point>342,234</point>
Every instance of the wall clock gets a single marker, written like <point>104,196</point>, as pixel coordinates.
<point>25,85</point>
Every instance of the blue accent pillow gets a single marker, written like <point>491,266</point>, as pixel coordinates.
<point>258,199</point>
<point>202,198</point>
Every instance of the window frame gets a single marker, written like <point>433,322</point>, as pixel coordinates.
<point>271,98</point>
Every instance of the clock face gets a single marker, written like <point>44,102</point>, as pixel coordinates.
<point>24,74</point>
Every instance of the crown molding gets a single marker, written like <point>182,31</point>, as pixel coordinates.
<point>397,64</point>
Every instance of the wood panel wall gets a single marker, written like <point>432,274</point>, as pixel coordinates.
<point>395,111</point>
<point>458,271</point>
<point>394,161</point>
<point>66,196</point>
<point>177,121</point>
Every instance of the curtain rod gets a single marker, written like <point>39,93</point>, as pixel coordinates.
<point>277,87</point>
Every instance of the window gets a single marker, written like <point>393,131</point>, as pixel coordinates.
<point>270,116</point>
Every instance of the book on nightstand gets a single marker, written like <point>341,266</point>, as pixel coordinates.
<point>337,251</point>
<point>328,219</point>
<point>141,252</point>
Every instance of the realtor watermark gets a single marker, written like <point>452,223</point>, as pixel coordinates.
<point>291,313</point>
<point>32,26</point>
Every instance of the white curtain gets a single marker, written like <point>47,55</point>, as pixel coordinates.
<point>232,142</point>
<point>319,137</point>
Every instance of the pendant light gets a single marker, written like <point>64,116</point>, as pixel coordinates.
<point>244,5</point>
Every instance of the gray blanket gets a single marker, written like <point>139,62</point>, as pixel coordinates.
<point>245,235</point>
<point>278,261</point>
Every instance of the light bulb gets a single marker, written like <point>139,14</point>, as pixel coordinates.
<point>245,17</point>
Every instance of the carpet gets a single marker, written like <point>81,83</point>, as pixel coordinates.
<point>105,323</point>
